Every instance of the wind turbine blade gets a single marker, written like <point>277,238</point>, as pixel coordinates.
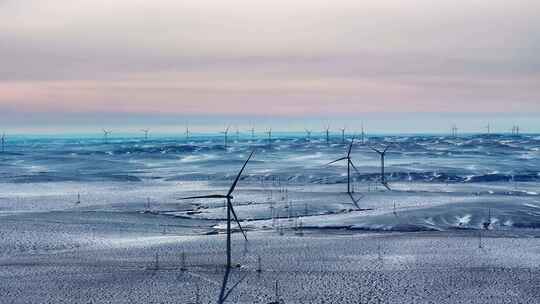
<point>239,174</point>
<point>385,184</point>
<point>204,196</point>
<point>237,221</point>
<point>350,147</point>
<point>355,202</point>
<point>354,167</point>
<point>335,161</point>
<point>386,149</point>
<point>378,151</point>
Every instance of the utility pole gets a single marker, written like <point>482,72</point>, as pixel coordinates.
<point>183,267</point>
<point>480,239</point>
<point>259,264</point>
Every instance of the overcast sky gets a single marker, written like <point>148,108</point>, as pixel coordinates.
<point>105,61</point>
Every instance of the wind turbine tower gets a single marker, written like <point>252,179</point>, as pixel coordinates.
<point>3,139</point>
<point>363,134</point>
<point>269,132</point>
<point>382,154</point>
<point>327,131</point>
<point>342,135</point>
<point>252,131</point>
<point>187,133</point>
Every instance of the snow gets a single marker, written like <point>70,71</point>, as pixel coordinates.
<point>422,242</point>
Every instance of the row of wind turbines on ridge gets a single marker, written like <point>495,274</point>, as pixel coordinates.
<point>226,134</point>
<point>515,131</point>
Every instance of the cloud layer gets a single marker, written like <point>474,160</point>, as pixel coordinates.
<point>243,57</point>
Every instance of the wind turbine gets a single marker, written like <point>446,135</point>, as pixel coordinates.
<point>230,209</point>
<point>342,135</point>
<point>269,132</point>
<point>327,131</point>
<point>349,164</point>
<point>187,132</point>
<point>515,130</point>
<point>145,131</point>
<point>382,154</point>
<point>488,128</point>
<point>106,134</point>
<point>252,131</point>
<point>363,134</point>
<point>308,133</point>
<point>226,134</point>
<point>3,139</point>
<point>454,130</point>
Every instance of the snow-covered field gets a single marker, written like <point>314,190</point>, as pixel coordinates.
<point>127,237</point>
